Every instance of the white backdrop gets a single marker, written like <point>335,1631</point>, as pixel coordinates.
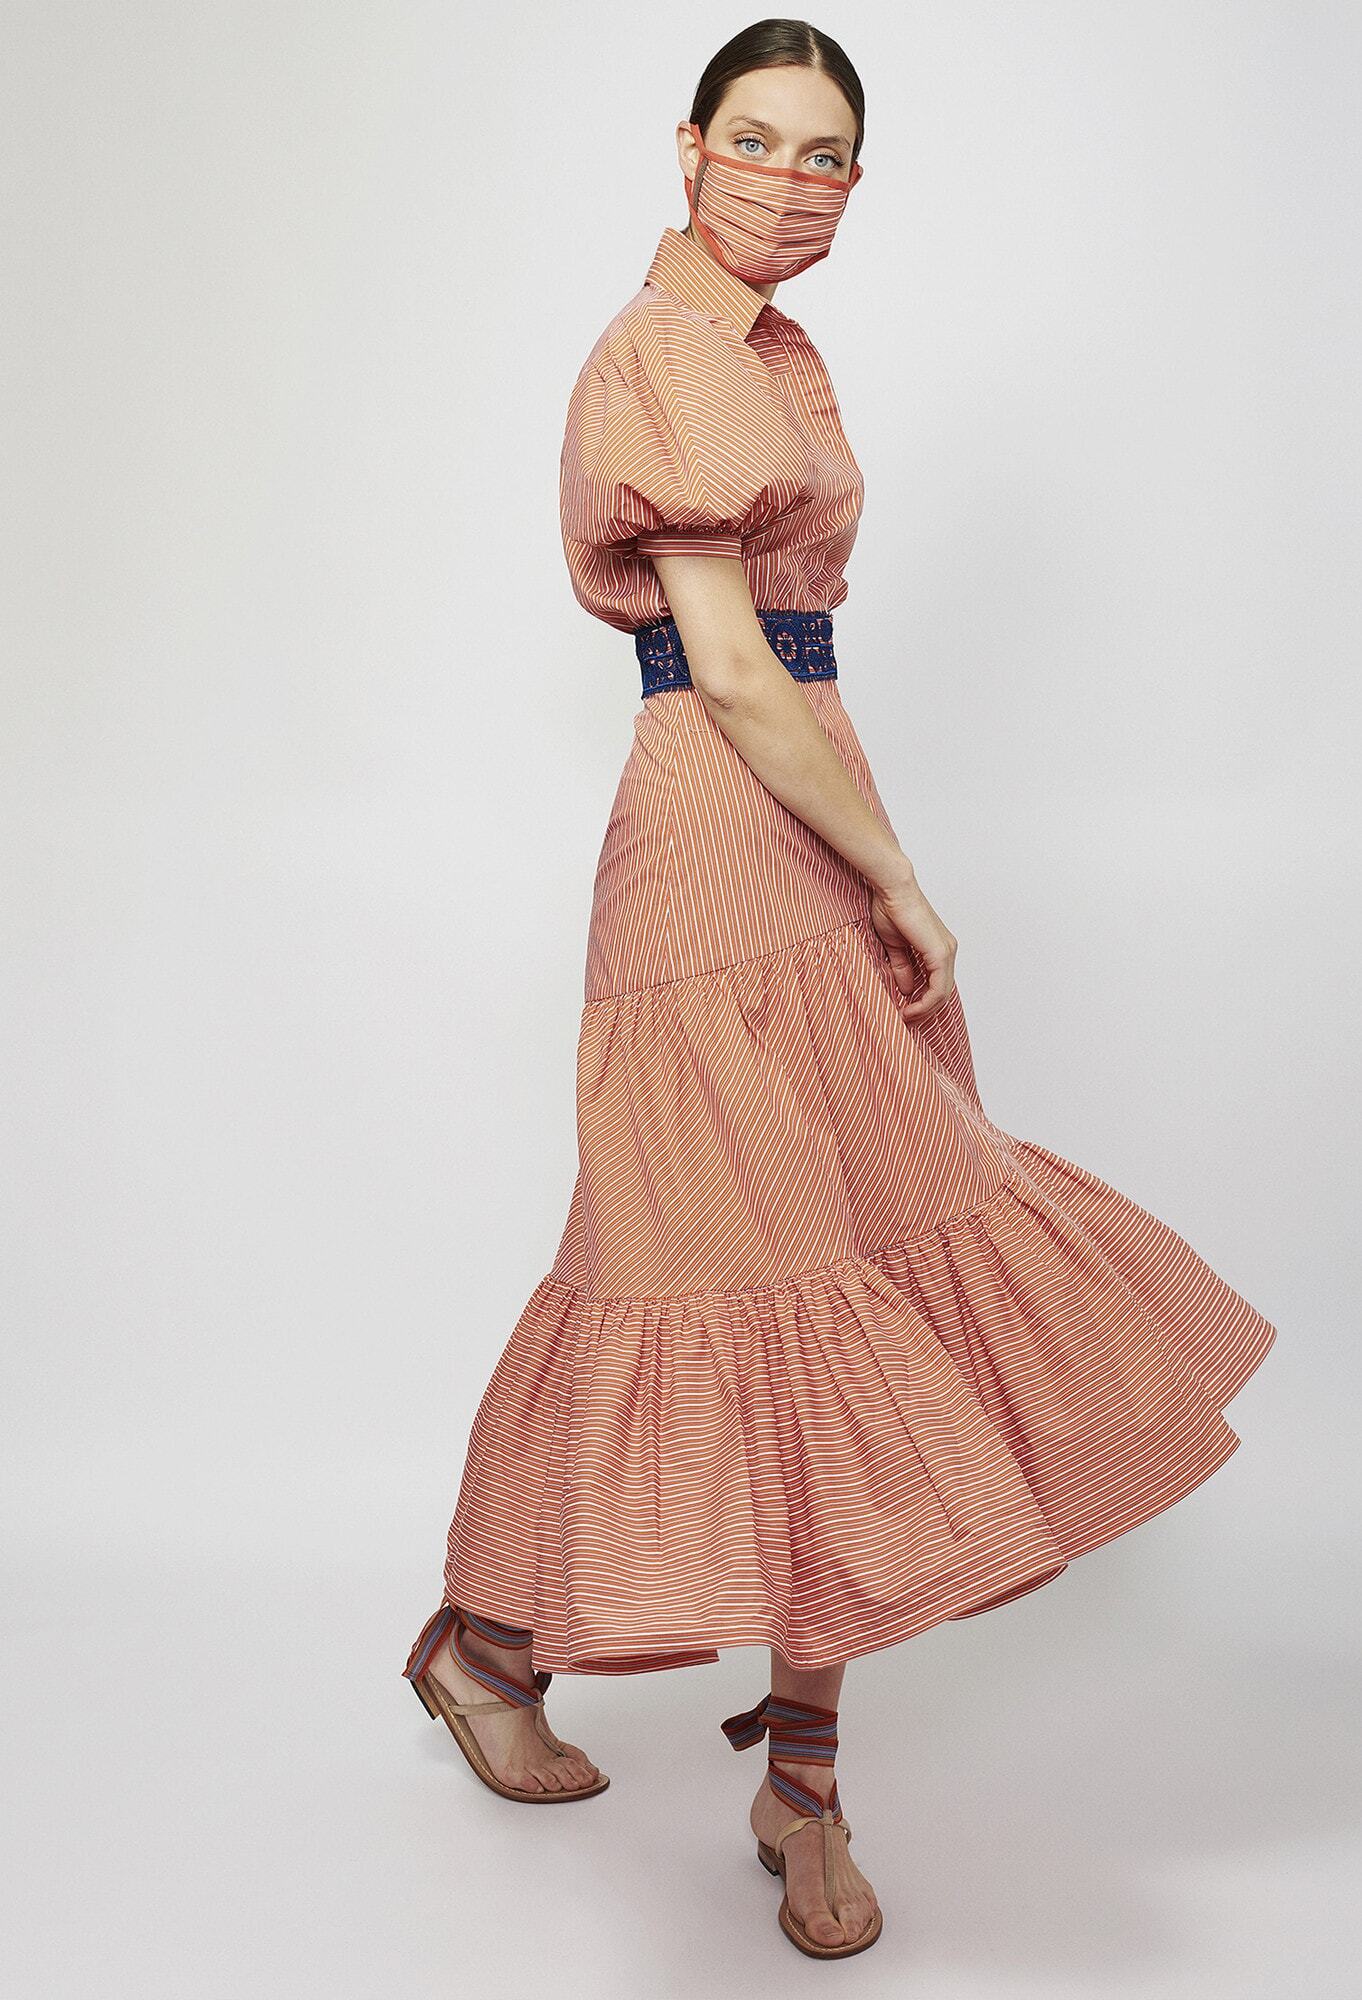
<point>308,755</point>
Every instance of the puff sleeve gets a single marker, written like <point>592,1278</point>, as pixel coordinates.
<point>676,441</point>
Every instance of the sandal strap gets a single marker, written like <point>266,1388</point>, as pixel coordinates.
<point>446,1624</point>
<point>796,1729</point>
<point>497,1634</point>
<point>477,1707</point>
<point>827,1822</point>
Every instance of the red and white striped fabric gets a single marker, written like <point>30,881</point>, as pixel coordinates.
<point>825,1356</point>
<point>703,422</point>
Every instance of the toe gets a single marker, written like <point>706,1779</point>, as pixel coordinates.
<point>824,1928</point>
<point>858,1917</point>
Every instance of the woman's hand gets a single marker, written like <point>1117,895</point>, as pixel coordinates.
<point>917,942</point>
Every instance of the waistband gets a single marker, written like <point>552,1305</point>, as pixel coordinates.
<point>800,640</point>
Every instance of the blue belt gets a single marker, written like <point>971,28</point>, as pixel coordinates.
<point>800,640</point>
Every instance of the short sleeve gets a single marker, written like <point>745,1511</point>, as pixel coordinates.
<point>675,440</point>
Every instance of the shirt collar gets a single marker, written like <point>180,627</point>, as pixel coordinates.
<point>689,273</point>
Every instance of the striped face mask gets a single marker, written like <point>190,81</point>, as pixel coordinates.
<point>764,223</point>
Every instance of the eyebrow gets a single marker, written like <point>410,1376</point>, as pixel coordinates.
<point>828,138</point>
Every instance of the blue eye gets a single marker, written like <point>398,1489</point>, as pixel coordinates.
<point>751,138</point>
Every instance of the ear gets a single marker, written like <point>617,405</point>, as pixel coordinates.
<point>687,152</point>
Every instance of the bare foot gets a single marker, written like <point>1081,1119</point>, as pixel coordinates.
<point>517,1742</point>
<point>853,1900</point>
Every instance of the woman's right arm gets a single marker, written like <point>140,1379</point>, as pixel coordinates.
<point>773,727</point>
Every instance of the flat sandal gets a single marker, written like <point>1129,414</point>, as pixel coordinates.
<point>799,1729</point>
<point>507,1690</point>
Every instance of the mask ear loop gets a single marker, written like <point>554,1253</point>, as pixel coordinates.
<point>701,162</point>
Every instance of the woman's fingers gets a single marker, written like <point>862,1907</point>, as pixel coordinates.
<point>918,946</point>
<point>936,993</point>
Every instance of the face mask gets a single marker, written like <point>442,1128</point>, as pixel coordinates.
<point>764,223</point>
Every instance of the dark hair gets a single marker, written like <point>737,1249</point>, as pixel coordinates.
<point>766,45</point>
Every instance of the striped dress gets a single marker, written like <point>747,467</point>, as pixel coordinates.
<point>825,1357</point>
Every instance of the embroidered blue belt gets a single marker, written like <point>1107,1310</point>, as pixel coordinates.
<point>800,640</point>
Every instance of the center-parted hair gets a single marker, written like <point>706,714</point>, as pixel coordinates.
<point>771,45</point>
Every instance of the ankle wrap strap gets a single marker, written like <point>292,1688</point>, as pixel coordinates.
<point>495,1633</point>
<point>797,1730</point>
<point>446,1623</point>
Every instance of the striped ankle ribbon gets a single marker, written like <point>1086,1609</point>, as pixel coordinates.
<point>445,1623</point>
<point>795,1729</point>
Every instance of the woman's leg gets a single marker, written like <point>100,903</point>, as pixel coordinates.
<point>853,1899</point>
<point>516,1741</point>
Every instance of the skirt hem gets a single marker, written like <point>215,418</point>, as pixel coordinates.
<point>695,1649</point>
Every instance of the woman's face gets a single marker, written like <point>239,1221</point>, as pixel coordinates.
<point>785,117</point>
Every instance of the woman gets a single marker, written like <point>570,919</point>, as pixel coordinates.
<point>826,1356</point>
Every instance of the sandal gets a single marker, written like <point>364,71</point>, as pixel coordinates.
<point>449,1622</point>
<point>798,1729</point>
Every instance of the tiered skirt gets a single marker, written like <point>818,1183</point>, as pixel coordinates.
<point>825,1357</point>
